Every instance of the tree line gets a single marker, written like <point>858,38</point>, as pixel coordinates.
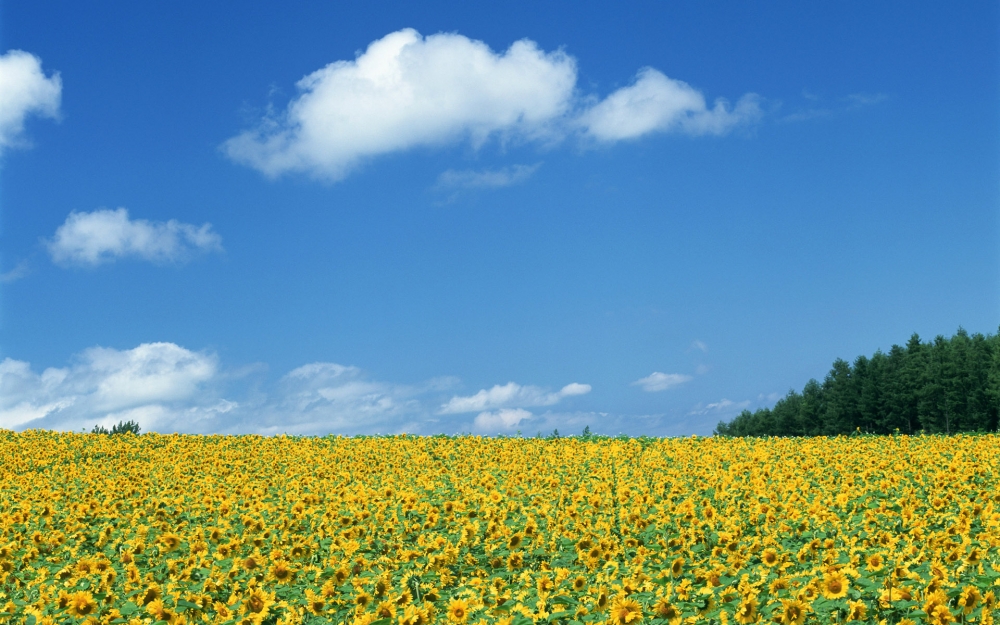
<point>947,385</point>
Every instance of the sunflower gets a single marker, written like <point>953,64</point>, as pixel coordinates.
<point>250,563</point>
<point>856,610</point>
<point>770,557</point>
<point>834,585</point>
<point>515,541</point>
<point>458,611</point>
<point>989,600</point>
<point>362,600</point>
<point>258,602</point>
<point>386,609</point>
<point>81,603</point>
<point>152,594</point>
<point>625,610</point>
<point>666,610</point>
<point>579,583</point>
<point>601,602</point>
<point>793,612</point>
<point>160,612</point>
<point>545,584</point>
<point>282,572</point>
<point>677,567</point>
<point>747,611</point>
<point>170,541</point>
<point>941,615</point>
<point>515,560</point>
<point>970,599</point>
<point>875,562</point>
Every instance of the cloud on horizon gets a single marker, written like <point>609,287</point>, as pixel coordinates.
<point>407,91</point>
<point>168,388</point>
<point>24,91</point>
<point>511,395</point>
<point>106,235</point>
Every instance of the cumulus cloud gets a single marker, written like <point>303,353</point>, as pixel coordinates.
<point>511,395</point>
<point>165,388</point>
<point>154,383</point>
<point>500,421</point>
<point>656,103</point>
<point>407,91</point>
<point>24,90</point>
<point>657,381</point>
<point>328,397</point>
<point>487,178</point>
<point>168,388</point>
<point>106,235</point>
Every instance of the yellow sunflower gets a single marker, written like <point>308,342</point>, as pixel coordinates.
<point>81,603</point>
<point>458,611</point>
<point>625,611</point>
<point>834,585</point>
<point>747,611</point>
<point>793,612</point>
<point>770,557</point>
<point>856,610</point>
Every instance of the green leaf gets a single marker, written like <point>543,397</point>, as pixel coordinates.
<point>128,609</point>
<point>184,604</point>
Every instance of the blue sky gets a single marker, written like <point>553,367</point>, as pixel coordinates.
<point>449,217</point>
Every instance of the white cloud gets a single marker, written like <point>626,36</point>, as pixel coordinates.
<point>857,100</point>
<point>656,103</point>
<point>504,420</point>
<point>159,382</point>
<point>657,381</point>
<point>848,103</point>
<point>24,91</point>
<point>328,397</point>
<point>511,395</point>
<point>407,91</point>
<point>699,345</point>
<point>723,406</point>
<point>106,235</point>
<point>20,270</point>
<point>487,178</point>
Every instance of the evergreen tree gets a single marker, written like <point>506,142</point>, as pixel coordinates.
<point>944,386</point>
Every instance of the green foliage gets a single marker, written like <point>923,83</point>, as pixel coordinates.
<point>944,386</point>
<point>122,427</point>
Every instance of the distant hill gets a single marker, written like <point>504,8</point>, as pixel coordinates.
<point>946,385</point>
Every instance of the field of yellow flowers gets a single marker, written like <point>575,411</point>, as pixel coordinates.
<point>418,530</point>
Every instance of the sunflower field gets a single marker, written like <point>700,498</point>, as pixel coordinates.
<point>249,530</point>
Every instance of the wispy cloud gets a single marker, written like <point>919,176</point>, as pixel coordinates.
<point>851,102</point>
<point>24,90</point>
<point>511,395</point>
<point>407,91</point>
<point>721,407</point>
<point>486,178</point>
<point>107,235</point>
<point>858,100</point>
<point>699,345</point>
<point>20,270</point>
<point>657,381</point>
